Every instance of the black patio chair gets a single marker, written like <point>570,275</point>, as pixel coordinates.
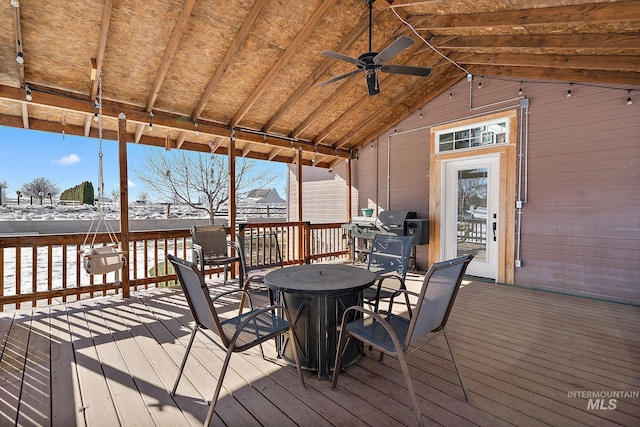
<point>389,260</point>
<point>393,335</point>
<point>211,247</point>
<point>236,334</point>
<point>259,253</point>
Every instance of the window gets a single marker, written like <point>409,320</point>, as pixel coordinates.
<point>472,136</point>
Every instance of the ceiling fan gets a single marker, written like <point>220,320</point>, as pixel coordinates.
<point>370,62</point>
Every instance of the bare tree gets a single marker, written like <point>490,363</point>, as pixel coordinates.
<point>200,180</point>
<point>3,191</point>
<point>40,187</point>
<point>115,196</point>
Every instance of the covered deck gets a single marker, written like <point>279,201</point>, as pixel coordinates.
<point>528,358</point>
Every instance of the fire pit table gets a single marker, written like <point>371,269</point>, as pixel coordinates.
<point>316,296</point>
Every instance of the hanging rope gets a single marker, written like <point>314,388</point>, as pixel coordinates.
<point>109,258</point>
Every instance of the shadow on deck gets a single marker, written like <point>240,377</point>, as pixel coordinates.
<point>528,358</point>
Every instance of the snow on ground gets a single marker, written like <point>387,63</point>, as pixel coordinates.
<point>27,212</point>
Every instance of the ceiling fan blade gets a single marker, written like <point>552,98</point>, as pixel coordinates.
<point>406,69</point>
<point>342,57</point>
<point>340,77</point>
<point>393,49</point>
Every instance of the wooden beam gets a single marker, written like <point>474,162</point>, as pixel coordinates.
<point>124,200</point>
<point>586,62</point>
<point>348,184</point>
<point>273,153</point>
<point>319,71</point>
<point>246,149</point>
<point>284,59</point>
<point>242,35</point>
<point>518,20</point>
<point>627,78</point>
<point>102,44</point>
<point>619,44</point>
<point>25,115</point>
<point>51,98</point>
<point>180,139</point>
<point>232,188</point>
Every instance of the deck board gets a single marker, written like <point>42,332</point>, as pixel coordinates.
<point>111,361</point>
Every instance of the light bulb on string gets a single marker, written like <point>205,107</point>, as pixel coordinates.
<point>150,120</point>
<point>629,101</point>
<point>569,91</point>
<point>27,93</point>
<point>20,58</point>
<point>520,90</point>
<point>196,126</point>
<point>480,83</point>
<point>450,93</point>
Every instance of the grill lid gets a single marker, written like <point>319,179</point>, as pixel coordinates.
<point>393,218</point>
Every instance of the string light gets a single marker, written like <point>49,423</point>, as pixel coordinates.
<point>569,91</point>
<point>480,83</point>
<point>15,3</point>
<point>20,58</point>
<point>629,101</point>
<point>450,93</point>
<point>150,120</point>
<point>27,93</point>
<point>196,126</point>
<point>421,113</point>
<point>520,90</point>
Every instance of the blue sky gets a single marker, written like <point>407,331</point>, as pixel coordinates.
<point>27,154</point>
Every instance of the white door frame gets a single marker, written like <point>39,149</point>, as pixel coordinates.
<point>507,155</point>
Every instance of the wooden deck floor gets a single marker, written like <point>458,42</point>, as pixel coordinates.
<point>110,362</point>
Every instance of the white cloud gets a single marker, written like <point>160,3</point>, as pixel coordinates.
<point>68,160</point>
<point>131,183</point>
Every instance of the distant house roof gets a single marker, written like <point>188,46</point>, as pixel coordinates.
<point>265,196</point>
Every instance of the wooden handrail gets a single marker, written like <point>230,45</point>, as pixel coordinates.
<point>49,268</point>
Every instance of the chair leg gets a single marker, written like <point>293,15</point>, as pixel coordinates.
<point>184,360</point>
<point>336,366</point>
<point>412,393</point>
<point>455,364</point>
<point>214,399</point>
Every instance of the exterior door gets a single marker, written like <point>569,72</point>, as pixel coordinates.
<point>470,212</point>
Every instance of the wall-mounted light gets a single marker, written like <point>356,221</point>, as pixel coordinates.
<point>629,101</point>
<point>150,120</point>
<point>27,93</point>
<point>569,91</point>
<point>20,58</point>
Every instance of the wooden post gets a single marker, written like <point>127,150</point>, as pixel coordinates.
<point>349,207</point>
<point>124,200</point>
<point>301,235</point>
<point>232,195</point>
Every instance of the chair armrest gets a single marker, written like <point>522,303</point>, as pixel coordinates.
<point>403,292</point>
<point>378,318</point>
<point>199,262</point>
<point>252,315</point>
<point>245,294</point>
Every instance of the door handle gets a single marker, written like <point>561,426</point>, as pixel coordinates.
<point>495,227</point>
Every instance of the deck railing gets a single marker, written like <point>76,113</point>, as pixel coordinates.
<point>48,269</point>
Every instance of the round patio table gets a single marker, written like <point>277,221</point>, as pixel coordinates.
<point>316,296</point>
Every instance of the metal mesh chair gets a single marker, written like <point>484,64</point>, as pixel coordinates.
<point>236,334</point>
<point>394,335</point>
<point>389,260</point>
<point>211,247</point>
<point>258,254</point>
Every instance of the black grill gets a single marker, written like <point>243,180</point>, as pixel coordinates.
<point>398,222</point>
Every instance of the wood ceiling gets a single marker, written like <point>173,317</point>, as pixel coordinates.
<point>250,68</point>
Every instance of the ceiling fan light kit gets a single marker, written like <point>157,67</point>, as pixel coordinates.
<point>370,62</point>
